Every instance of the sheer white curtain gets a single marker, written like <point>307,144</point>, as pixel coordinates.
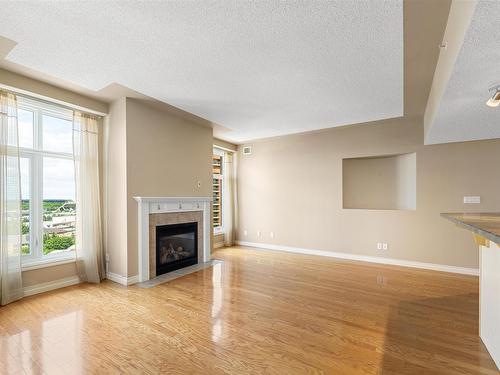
<point>229,198</point>
<point>89,254</point>
<point>10,202</point>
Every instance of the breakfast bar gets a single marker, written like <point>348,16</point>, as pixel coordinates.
<point>485,228</point>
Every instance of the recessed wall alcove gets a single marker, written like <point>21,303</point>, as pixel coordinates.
<point>380,182</point>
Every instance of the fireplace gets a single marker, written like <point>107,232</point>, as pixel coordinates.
<point>160,211</point>
<point>176,246</point>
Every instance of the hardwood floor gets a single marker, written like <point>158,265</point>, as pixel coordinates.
<point>259,312</point>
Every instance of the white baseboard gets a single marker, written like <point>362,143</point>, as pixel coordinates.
<point>51,285</point>
<point>122,279</point>
<point>132,280</point>
<point>364,258</point>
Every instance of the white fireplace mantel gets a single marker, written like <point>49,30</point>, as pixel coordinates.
<point>155,205</point>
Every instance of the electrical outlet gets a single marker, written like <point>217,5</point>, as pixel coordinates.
<point>198,183</point>
<point>107,257</point>
<point>473,199</point>
<point>382,246</point>
<point>259,233</point>
<point>245,232</point>
<point>271,234</point>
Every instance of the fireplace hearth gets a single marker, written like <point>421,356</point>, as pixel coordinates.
<point>176,246</point>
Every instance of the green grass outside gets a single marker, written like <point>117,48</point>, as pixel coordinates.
<point>51,241</point>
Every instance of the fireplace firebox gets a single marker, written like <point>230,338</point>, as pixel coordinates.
<point>176,246</point>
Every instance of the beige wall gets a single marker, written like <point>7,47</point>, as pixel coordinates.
<point>167,155</point>
<point>51,92</point>
<point>48,274</point>
<point>218,240</point>
<point>293,186</point>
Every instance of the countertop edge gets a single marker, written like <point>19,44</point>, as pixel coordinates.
<point>490,236</point>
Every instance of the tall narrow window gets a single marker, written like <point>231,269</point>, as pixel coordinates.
<point>25,206</point>
<point>47,182</point>
<point>217,170</point>
<point>58,205</point>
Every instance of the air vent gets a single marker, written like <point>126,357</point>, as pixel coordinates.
<point>247,150</point>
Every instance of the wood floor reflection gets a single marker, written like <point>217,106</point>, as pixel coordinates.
<point>258,312</point>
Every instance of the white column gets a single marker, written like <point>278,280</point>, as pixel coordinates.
<point>143,255</point>
<point>489,299</point>
<point>207,227</point>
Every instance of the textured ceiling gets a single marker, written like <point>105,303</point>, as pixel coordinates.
<point>462,114</point>
<point>260,68</point>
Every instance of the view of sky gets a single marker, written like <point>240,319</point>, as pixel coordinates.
<point>58,174</point>
<point>58,179</point>
<point>57,135</point>
<point>25,123</point>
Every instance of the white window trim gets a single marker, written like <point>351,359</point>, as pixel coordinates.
<point>219,230</point>
<point>49,261</point>
<point>35,155</point>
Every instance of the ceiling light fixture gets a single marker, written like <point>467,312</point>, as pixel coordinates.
<point>494,101</point>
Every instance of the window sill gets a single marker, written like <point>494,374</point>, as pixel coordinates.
<point>69,257</point>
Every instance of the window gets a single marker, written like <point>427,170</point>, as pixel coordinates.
<point>217,171</point>
<point>47,182</point>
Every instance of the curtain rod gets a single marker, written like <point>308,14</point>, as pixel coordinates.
<point>42,98</point>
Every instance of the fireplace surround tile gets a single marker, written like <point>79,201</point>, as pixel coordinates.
<point>167,218</point>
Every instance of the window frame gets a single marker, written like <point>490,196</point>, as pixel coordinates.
<point>36,155</point>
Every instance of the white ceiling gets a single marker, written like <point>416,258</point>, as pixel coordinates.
<point>259,68</point>
<point>462,114</point>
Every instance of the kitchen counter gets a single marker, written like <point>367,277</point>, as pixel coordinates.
<point>486,230</point>
<point>486,225</point>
